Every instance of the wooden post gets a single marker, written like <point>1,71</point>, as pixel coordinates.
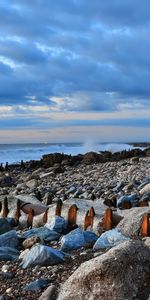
<point>72,215</point>
<point>144,231</point>
<point>89,218</point>
<point>108,219</point>
<point>30,218</point>
<point>17,213</point>
<point>5,208</point>
<point>45,216</point>
<point>49,199</point>
<point>58,208</point>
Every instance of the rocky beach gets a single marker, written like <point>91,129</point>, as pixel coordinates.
<point>76,227</point>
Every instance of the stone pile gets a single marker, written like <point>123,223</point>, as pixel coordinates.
<point>61,214</point>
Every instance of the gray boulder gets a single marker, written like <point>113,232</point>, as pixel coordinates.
<point>145,189</point>
<point>36,285</point>
<point>118,274</point>
<point>4,225</point>
<point>7,253</point>
<point>9,239</point>
<point>131,223</point>
<point>42,256</point>
<point>110,239</point>
<point>58,224</point>
<point>77,239</point>
<point>43,233</point>
<point>130,198</point>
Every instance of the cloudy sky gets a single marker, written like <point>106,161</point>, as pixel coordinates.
<point>74,69</point>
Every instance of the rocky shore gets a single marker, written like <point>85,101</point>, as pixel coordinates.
<point>76,227</point>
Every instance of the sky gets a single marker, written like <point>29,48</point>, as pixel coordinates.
<point>72,70</point>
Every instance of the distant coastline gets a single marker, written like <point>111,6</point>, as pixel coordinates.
<point>14,153</point>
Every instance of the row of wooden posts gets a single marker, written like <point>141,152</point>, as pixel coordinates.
<point>107,224</point>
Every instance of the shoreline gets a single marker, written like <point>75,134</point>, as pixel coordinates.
<point>51,159</point>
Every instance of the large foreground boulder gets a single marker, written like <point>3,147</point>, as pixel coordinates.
<point>121,273</point>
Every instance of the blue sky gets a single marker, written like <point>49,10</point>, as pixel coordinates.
<point>74,69</point>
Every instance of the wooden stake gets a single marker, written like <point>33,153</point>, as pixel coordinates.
<point>144,231</point>
<point>5,208</point>
<point>72,215</point>
<point>30,218</point>
<point>58,208</point>
<point>45,216</point>
<point>17,213</point>
<point>89,218</point>
<point>108,219</point>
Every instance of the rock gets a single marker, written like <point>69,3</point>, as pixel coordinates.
<point>147,241</point>
<point>36,285</point>
<point>71,190</point>
<point>48,293</point>
<point>58,224</point>
<point>9,290</point>
<point>7,275</point>
<point>33,183</point>
<point>127,198</point>
<point>9,239</point>
<point>3,297</point>
<point>131,223</point>
<point>30,242</point>
<point>145,189</point>
<point>20,186</point>
<point>5,268</point>
<point>113,275</point>
<point>49,160</point>
<point>134,160</point>
<point>119,186</point>
<point>11,221</point>
<point>45,175</point>
<point>90,158</point>
<point>8,253</point>
<point>42,256</point>
<point>145,197</point>
<point>7,181</point>
<point>43,233</point>
<point>4,225</point>
<point>110,239</point>
<point>77,239</point>
<point>23,254</point>
<point>25,198</point>
<point>90,238</point>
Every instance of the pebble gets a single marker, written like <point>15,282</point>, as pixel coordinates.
<point>5,268</point>
<point>9,290</point>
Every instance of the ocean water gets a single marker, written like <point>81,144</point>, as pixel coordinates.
<point>14,153</point>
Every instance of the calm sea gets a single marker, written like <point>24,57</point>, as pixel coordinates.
<point>14,153</point>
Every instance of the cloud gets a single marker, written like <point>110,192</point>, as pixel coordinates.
<point>74,56</point>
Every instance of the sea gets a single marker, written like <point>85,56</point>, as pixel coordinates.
<point>14,153</point>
